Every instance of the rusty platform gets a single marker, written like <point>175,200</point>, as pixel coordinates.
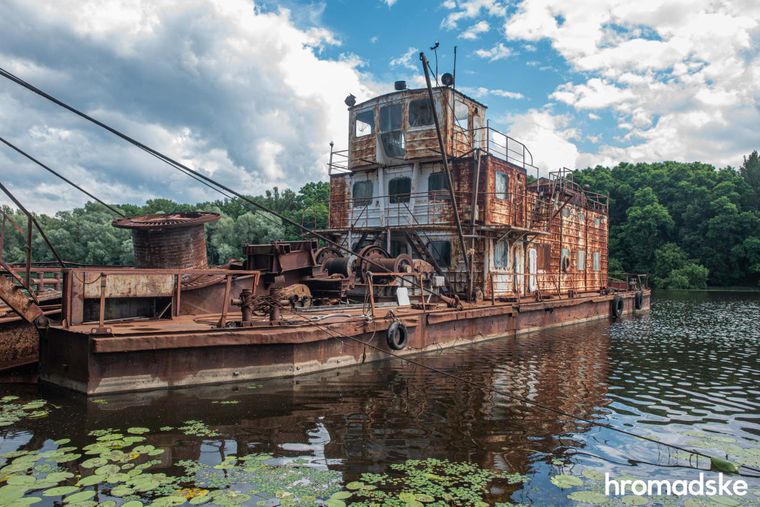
<point>189,350</point>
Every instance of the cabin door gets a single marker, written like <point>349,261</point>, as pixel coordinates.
<point>399,201</point>
<point>518,268</point>
<point>532,270</point>
<point>500,276</point>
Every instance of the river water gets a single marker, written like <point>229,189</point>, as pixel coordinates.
<point>687,373</point>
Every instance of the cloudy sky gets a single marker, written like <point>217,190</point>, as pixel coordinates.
<point>252,92</point>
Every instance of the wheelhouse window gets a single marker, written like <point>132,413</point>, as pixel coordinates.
<point>399,190</point>
<point>441,252</point>
<point>461,114</point>
<point>581,260</point>
<point>502,185</point>
<point>501,254</point>
<point>597,260</point>
<point>362,192</point>
<point>438,187</point>
<point>420,113</point>
<point>565,259</point>
<point>391,133</point>
<point>364,124</point>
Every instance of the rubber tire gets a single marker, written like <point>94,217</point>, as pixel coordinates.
<point>638,300</point>
<point>618,306</point>
<point>397,336</point>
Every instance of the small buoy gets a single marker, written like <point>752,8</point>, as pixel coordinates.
<point>397,335</point>
<point>638,300</point>
<point>617,306</point>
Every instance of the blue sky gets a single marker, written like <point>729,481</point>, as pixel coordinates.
<point>252,92</point>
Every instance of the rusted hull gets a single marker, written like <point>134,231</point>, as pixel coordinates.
<point>18,344</point>
<point>98,365</point>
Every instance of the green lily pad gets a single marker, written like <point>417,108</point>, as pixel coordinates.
<point>168,501</point>
<point>27,500</point>
<point>10,493</point>
<point>634,500</point>
<point>565,481</point>
<point>335,503</point>
<point>82,496</point>
<point>138,430</point>
<point>354,485</point>
<point>198,500</point>
<point>340,495</point>
<point>132,503</point>
<point>94,462</point>
<point>60,491</point>
<point>21,480</point>
<point>107,470</point>
<point>122,490</point>
<point>591,497</point>
<point>91,480</point>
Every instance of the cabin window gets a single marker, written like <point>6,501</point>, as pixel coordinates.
<point>562,261</point>
<point>365,123</point>
<point>420,113</point>
<point>441,252</point>
<point>565,212</point>
<point>581,260</point>
<point>399,189</point>
<point>501,254</point>
<point>597,260</point>
<point>362,193</point>
<point>438,187</point>
<point>502,185</point>
<point>581,217</point>
<point>461,114</point>
<point>597,222</point>
<point>391,135</point>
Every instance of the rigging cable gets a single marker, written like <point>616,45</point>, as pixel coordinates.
<point>22,152</point>
<point>209,182</point>
<point>193,173</point>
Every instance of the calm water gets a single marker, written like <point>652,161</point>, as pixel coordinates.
<point>687,373</point>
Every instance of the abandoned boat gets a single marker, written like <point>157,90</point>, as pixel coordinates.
<point>438,237</point>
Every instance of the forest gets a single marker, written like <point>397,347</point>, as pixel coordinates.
<point>689,225</point>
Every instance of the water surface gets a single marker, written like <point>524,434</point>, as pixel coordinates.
<point>687,373</point>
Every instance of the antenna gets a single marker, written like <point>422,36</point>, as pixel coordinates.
<point>455,67</point>
<point>434,49</point>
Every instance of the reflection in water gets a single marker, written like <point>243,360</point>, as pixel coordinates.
<point>691,365</point>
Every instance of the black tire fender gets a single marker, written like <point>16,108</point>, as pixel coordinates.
<point>638,300</point>
<point>397,335</point>
<point>618,306</point>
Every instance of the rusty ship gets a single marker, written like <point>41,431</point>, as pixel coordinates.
<point>442,233</point>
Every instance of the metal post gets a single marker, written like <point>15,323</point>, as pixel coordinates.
<point>102,318</point>
<point>445,160</point>
<point>225,300</point>
<point>29,252</point>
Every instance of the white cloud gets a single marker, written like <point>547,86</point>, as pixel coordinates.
<point>482,91</point>
<point>470,9</point>
<point>549,137</point>
<point>221,85</point>
<point>408,60</point>
<point>498,52</point>
<point>474,31</point>
<point>389,3</point>
<point>681,77</point>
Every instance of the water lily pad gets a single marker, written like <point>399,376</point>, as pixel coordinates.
<point>138,430</point>
<point>122,490</point>
<point>94,462</point>
<point>58,476</point>
<point>20,480</point>
<point>335,503</point>
<point>590,497</point>
<point>82,496</point>
<point>340,495</point>
<point>634,500</point>
<point>354,485</point>
<point>132,503</point>
<point>60,491</point>
<point>168,501</point>
<point>91,480</point>
<point>565,481</point>
<point>10,493</point>
<point>107,470</point>
<point>27,500</point>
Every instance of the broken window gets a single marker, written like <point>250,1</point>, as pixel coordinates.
<point>399,189</point>
<point>501,254</point>
<point>502,185</point>
<point>597,260</point>
<point>362,192</point>
<point>420,113</point>
<point>441,252</point>
<point>581,260</point>
<point>391,135</point>
<point>365,123</point>
<point>438,187</point>
<point>564,261</point>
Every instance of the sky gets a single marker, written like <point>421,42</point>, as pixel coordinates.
<point>252,92</point>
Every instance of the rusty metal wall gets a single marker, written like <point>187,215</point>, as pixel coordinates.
<point>339,200</point>
<point>510,211</point>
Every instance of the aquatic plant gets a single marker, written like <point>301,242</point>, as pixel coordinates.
<point>11,413</point>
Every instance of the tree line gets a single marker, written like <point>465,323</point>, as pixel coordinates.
<point>688,225</point>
